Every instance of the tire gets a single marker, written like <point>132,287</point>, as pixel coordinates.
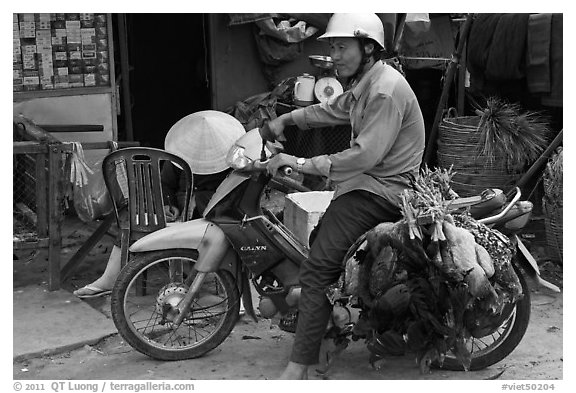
<point>141,316</point>
<point>512,330</point>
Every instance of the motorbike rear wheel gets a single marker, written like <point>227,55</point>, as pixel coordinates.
<point>141,306</point>
<point>494,347</point>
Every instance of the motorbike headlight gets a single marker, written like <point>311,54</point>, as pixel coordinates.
<point>236,158</point>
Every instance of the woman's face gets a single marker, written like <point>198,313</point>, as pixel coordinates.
<point>346,54</point>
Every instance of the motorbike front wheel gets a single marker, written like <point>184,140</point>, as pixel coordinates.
<point>494,347</point>
<point>151,284</point>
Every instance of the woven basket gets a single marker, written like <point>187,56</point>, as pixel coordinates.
<point>458,140</point>
<point>552,206</point>
<point>553,226</point>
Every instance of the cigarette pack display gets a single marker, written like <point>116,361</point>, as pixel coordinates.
<point>103,68</point>
<point>75,55</point>
<point>44,52</point>
<point>46,83</point>
<point>42,17</point>
<point>31,83</point>
<point>17,51</point>
<point>61,71</point>
<point>90,62</point>
<point>90,69</point>
<point>27,30</point>
<point>102,44</point>
<point>60,51</point>
<point>75,66</point>
<point>102,79</point>
<point>87,20</point>
<point>102,56</point>
<point>89,80</point>
<point>73,47</point>
<point>87,55</point>
<point>76,80</point>
<point>29,61</point>
<point>43,21</point>
<point>27,18</point>
<point>88,35</point>
<point>101,31</point>
<point>100,20</point>
<point>28,49</point>
<point>59,31</point>
<point>61,56</point>
<point>58,79</point>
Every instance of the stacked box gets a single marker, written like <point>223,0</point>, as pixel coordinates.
<point>102,73</point>
<point>74,49</point>
<point>89,50</point>
<point>17,77</point>
<point>44,54</point>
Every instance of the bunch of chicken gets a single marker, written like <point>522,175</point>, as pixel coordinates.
<point>461,258</point>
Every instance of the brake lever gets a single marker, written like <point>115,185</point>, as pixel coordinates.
<point>263,151</point>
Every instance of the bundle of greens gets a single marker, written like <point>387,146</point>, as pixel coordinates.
<point>509,134</point>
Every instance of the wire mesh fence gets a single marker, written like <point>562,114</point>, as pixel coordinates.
<point>310,143</point>
<point>26,205</point>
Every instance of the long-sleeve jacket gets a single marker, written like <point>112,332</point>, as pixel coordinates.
<point>387,139</point>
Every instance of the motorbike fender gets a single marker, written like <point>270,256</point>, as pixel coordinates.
<point>202,235</point>
<point>530,265</point>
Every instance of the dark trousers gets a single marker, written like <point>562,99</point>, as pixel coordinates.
<point>346,219</point>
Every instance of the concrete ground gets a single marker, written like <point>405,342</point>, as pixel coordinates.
<point>57,336</point>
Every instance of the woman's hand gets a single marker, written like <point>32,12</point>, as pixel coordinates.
<point>171,212</point>
<point>279,161</point>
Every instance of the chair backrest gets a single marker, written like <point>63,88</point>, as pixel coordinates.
<point>133,178</point>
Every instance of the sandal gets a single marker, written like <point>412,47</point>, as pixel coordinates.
<point>289,321</point>
<point>91,291</point>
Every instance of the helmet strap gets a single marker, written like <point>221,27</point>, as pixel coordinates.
<point>366,57</point>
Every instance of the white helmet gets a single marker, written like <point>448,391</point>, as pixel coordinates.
<point>355,25</point>
<point>203,140</point>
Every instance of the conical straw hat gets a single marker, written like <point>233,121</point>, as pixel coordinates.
<point>203,140</point>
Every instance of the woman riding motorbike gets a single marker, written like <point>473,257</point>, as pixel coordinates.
<point>384,157</point>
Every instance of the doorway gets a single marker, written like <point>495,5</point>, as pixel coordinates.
<point>169,71</point>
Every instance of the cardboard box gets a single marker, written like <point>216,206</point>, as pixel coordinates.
<point>303,210</point>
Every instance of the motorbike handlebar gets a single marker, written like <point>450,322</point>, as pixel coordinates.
<point>285,170</point>
<point>492,219</point>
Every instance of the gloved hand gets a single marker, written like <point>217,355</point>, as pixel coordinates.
<point>273,130</point>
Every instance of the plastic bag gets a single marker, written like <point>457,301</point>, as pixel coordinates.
<point>91,199</point>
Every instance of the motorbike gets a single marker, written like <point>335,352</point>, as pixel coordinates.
<point>179,295</point>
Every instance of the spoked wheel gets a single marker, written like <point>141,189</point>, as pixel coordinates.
<point>494,347</point>
<point>146,292</point>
